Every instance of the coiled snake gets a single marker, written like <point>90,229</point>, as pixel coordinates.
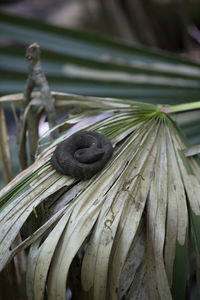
<point>82,155</point>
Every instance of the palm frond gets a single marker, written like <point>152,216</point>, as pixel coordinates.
<point>84,63</point>
<point>148,185</point>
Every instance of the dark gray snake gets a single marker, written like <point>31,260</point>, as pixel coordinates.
<point>82,155</point>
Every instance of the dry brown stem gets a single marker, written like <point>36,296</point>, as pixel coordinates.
<point>36,78</point>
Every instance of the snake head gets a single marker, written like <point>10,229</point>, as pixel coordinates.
<point>89,155</point>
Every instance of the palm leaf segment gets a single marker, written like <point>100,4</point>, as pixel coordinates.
<point>138,207</point>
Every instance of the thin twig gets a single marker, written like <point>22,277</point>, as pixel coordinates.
<point>4,148</point>
<point>27,123</point>
<point>17,121</point>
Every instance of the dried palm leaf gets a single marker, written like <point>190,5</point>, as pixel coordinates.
<point>142,199</point>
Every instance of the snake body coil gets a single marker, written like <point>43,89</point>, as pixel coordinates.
<point>82,155</point>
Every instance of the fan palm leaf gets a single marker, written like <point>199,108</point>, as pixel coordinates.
<point>145,198</point>
<point>85,63</point>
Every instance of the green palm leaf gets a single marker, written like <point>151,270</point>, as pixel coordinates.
<point>84,63</point>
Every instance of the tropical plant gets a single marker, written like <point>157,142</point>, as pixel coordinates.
<point>84,63</point>
<point>128,232</point>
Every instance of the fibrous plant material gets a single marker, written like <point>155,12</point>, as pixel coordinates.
<point>145,198</point>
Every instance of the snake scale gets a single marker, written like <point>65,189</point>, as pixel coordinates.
<point>82,155</point>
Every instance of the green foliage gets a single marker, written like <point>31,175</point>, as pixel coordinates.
<point>83,63</point>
